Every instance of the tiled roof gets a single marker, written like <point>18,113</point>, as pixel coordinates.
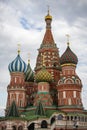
<point>68,57</point>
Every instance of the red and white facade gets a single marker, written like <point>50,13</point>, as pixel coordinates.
<point>63,93</point>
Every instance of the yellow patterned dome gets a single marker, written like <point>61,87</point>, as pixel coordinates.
<point>43,76</point>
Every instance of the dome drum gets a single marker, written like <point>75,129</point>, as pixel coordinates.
<point>43,87</point>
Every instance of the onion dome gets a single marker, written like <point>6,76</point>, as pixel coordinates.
<point>48,16</point>
<point>29,75</point>
<point>17,65</point>
<point>43,76</point>
<point>68,57</point>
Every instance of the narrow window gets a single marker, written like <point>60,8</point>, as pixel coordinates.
<point>69,101</point>
<point>74,94</point>
<point>15,80</point>
<point>64,94</point>
<point>20,103</point>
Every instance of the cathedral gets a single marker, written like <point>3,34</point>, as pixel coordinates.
<point>49,97</point>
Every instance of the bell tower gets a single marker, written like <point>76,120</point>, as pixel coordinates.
<point>69,86</point>
<point>16,89</point>
<point>50,51</point>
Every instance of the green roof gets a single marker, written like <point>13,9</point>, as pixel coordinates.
<point>31,115</point>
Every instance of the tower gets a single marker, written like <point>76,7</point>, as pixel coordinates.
<point>69,85</point>
<point>16,89</point>
<point>50,51</point>
<point>43,78</point>
<point>29,83</point>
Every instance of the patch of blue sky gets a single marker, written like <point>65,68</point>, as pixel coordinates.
<point>39,28</point>
<point>24,23</point>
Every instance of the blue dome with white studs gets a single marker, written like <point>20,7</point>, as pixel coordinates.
<point>17,65</point>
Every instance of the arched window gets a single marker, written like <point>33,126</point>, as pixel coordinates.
<point>68,81</point>
<point>75,117</point>
<point>55,64</point>
<point>13,127</point>
<point>44,124</point>
<point>3,128</point>
<point>52,120</point>
<point>60,117</point>
<point>20,128</point>
<point>31,126</point>
<point>77,81</point>
<point>67,118</point>
<point>71,118</point>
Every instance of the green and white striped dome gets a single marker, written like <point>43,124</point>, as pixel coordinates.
<point>29,75</point>
<point>17,65</point>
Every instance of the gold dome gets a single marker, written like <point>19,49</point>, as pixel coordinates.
<point>48,16</point>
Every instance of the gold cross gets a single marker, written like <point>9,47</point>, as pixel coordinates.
<point>48,8</point>
<point>28,57</point>
<point>19,48</point>
<point>68,36</point>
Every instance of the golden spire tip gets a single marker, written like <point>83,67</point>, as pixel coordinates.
<point>19,48</point>
<point>28,58</point>
<point>48,9</point>
<point>68,37</point>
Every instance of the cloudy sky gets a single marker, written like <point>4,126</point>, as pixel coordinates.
<point>22,21</point>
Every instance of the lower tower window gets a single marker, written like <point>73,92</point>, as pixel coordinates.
<point>64,94</point>
<point>20,103</point>
<point>69,101</point>
<point>74,94</point>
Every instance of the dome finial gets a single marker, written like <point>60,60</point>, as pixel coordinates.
<point>28,58</point>
<point>48,9</point>
<point>68,36</point>
<point>48,16</point>
<point>19,48</point>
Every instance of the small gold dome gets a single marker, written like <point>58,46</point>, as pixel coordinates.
<point>48,16</point>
